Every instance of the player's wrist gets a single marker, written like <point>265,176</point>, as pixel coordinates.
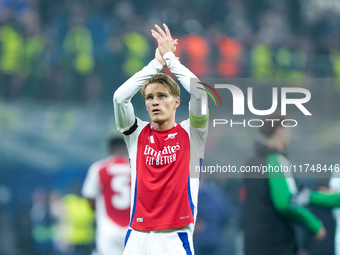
<point>169,55</point>
<point>157,64</point>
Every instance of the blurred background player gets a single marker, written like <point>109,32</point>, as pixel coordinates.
<point>273,202</point>
<point>107,187</point>
<point>161,153</point>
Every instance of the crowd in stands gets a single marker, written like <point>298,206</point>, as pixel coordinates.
<point>83,50</point>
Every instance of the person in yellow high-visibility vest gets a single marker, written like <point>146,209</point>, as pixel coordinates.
<point>78,61</point>
<point>261,61</point>
<point>79,230</point>
<point>11,56</point>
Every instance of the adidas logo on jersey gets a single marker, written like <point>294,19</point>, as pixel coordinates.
<point>139,219</point>
<point>171,136</point>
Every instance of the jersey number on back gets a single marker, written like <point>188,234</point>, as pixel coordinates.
<point>115,183</point>
<point>120,185</point>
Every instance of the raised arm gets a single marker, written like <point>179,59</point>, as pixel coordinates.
<point>123,108</point>
<point>183,74</point>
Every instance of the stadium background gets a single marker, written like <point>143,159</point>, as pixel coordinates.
<point>60,62</point>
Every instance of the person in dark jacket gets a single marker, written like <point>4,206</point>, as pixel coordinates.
<point>273,202</point>
<point>215,210</point>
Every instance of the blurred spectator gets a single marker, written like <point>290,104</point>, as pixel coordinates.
<point>214,211</point>
<point>35,69</point>
<point>8,242</point>
<point>136,49</point>
<point>78,55</point>
<point>57,211</point>
<point>230,57</point>
<point>195,49</point>
<point>11,59</point>
<point>78,222</point>
<point>42,234</point>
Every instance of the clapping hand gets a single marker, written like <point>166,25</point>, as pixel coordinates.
<point>165,42</point>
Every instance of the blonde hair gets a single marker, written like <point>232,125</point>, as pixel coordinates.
<point>165,80</point>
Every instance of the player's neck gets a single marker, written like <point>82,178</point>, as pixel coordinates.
<point>162,126</point>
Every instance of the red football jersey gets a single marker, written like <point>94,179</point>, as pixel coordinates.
<point>162,200</point>
<point>115,185</point>
<point>108,181</point>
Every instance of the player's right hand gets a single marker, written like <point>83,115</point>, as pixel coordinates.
<point>321,234</point>
<point>164,39</point>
